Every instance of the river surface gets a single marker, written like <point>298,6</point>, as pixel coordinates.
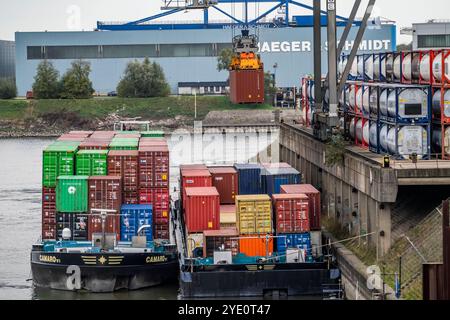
<point>20,203</point>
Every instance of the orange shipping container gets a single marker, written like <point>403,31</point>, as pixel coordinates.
<point>256,245</point>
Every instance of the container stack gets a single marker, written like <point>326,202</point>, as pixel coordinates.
<point>86,172</point>
<point>249,210</point>
<point>154,182</point>
<point>394,103</point>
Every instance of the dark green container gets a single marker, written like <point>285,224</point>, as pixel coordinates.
<point>92,163</point>
<point>152,134</point>
<point>58,159</point>
<point>72,194</point>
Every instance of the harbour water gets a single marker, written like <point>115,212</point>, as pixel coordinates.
<point>20,203</point>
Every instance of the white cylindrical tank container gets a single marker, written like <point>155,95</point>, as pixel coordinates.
<point>373,101</point>
<point>360,66</point>
<point>412,139</point>
<point>304,114</point>
<point>362,99</point>
<point>351,128</point>
<point>424,67</point>
<point>406,140</point>
<point>412,98</point>
<point>415,66</point>
<point>436,140</point>
<point>379,67</point>
<point>362,131</point>
<point>389,65</point>
<point>437,67</point>
<point>437,104</point>
<point>359,130</point>
<point>351,99</point>
<point>305,89</point>
<point>373,135</point>
<point>311,90</point>
<point>390,140</point>
<point>369,67</point>
<point>384,102</point>
<point>407,67</point>
<point>383,137</point>
<point>397,67</point>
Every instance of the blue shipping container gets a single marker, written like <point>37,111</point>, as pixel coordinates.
<point>273,178</point>
<point>249,178</point>
<point>294,240</point>
<point>133,216</point>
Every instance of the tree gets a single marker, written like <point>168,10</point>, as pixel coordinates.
<point>46,84</point>
<point>269,86</point>
<point>224,59</point>
<point>8,89</point>
<point>142,80</point>
<point>76,83</point>
<point>405,47</point>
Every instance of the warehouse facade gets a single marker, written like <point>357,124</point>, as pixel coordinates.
<point>185,55</point>
<point>7,59</point>
<point>434,34</point>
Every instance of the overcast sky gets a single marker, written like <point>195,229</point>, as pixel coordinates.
<point>64,15</point>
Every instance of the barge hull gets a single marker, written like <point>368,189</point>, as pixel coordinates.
<point>96,278</point>
<point>233,283</point>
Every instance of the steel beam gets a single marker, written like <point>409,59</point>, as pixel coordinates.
<point>355,48</point>
<point>317,30</point>
<point>332,59</point>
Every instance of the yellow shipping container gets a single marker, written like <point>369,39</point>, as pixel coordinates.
<point>254,214</point>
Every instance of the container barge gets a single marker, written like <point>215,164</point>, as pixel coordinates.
<point>251,244</point>
<point>105,213</point>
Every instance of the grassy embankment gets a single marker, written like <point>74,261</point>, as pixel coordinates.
<point>86,113</point>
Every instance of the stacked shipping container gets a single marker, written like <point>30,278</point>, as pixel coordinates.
<point>84,172</point>
<point>255,224</point>
<point>407,101</point>
<point>154,182</point>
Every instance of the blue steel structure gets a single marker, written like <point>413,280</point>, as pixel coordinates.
<point>300,21</point>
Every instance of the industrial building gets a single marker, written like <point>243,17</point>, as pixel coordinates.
<point>7,59</point>
<point>433,34</point>
<point>186,51</point>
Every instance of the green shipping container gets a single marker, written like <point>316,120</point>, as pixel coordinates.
<point>58,159</point>
<point>152,134</point>
<point>92,163</point>
<point>72,194</point>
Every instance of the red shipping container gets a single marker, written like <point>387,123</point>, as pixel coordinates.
<point>81,133</point>
<point>48,231</point>
<point>194,178</point>
<point>154,167</point>
<point>314,201</point>
<point>149,142</point>
<point>103,134</point>
<point>159,198</point>
<point>202,209</point>
<point>291,213</point>
<point>161,231</point>
<point>48,213</point>
<point>95,144</point>
<point>198,166</point>
<point>112,225</point>
<point>105,192</point>
<point>225,179</point>
<point>130,197</point>
<point>124,163</point>
<point>247,86</point>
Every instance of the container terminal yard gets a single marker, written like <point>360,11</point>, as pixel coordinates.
<point>342,195</point>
